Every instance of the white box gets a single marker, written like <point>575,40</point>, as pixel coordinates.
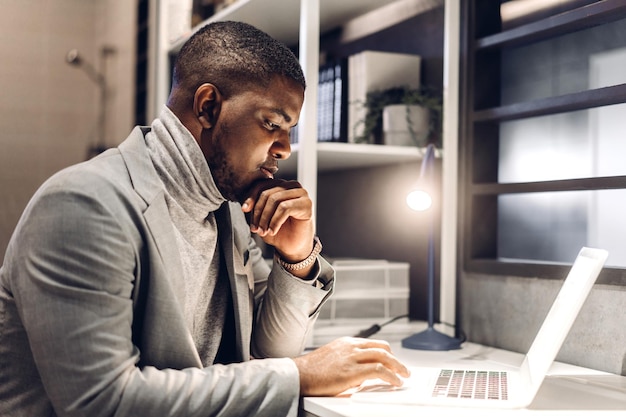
<point>367,290</point>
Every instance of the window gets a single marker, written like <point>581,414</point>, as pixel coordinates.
<point>543,138</point>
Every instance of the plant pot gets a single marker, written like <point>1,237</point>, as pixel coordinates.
<point>406,125</point>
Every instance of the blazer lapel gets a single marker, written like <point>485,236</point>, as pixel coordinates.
<point>165,339</point>
<point>163,235</point>
<point>147,185</point>
<point>239,283</point>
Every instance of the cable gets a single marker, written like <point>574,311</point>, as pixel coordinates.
<point>375,328</point>
<point>365,333</point>
<point>372,330</point>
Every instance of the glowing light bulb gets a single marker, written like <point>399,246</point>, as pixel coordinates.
<point>419,200</point>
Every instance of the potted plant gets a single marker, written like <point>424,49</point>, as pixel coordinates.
<point>408,107</point>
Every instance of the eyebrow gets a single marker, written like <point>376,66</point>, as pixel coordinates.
<point>282,113</point>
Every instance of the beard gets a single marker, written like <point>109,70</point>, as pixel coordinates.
<point>225,179</point>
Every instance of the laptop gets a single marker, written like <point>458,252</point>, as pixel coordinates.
<point>492,385</point>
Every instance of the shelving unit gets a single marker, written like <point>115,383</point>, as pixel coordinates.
<point>486,40</point>
<point>301,23</point>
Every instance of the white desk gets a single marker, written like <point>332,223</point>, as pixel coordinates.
<point>601,394</point>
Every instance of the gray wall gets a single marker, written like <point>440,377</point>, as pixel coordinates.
<point>506,312</point>
<point>48,110</point>
<point>362,213</point>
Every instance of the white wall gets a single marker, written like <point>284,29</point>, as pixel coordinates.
<point>48,109</point>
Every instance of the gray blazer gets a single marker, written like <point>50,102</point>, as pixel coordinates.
<point>91,325</point>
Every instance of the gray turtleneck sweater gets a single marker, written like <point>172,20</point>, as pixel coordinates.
<point>192,199</point>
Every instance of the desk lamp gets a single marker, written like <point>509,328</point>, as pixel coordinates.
<point>421,200</point>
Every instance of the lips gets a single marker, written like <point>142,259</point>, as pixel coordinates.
<point>269,171</point>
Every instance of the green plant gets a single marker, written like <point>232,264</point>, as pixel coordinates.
<point>377,100</point>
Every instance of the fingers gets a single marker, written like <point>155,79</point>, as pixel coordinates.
<point>262,185</point>
<point>276,205</point>
<point>272,203</point>
<point>347,363</point>
<point>381,364</point>
<point>385,365</point>
<point>380,371</point>
<point>364,343</point>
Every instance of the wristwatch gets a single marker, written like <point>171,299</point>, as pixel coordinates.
<point>317,248</point>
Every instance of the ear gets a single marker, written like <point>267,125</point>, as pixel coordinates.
<point>206,104</point>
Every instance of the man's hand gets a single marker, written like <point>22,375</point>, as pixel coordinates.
<point>281,212</point>
<point>346,363</point>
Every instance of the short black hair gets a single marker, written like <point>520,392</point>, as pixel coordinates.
<point>232,56</point>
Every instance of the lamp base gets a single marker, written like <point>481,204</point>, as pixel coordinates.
<point>431,339</point>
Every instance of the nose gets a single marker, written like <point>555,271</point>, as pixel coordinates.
<point>281,148</point>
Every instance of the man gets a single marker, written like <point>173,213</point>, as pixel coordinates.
<point>132,286</point>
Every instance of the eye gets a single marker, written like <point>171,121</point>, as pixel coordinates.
<point>271,126</point>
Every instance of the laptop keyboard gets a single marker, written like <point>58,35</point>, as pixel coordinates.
<point>484,385</point>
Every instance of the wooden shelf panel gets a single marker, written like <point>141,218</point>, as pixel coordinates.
<point>336,156</point>
<point>605,96</point>
<point>577,19</point>
<point>576,184</point>
<point>284,23</point>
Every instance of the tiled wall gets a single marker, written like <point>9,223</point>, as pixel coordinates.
<point>507,312</point>
<point>48,109</point>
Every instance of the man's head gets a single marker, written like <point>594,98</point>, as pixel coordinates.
<point>239,92</point>
<point>233,56</point>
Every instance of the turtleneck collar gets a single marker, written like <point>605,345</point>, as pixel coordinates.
<point>182,166</point>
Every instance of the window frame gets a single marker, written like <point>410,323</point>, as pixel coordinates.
<point>481,114</point>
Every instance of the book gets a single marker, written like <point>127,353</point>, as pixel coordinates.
<point>340,105</point>
<point>332,102</point>
<point>325,103</point>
